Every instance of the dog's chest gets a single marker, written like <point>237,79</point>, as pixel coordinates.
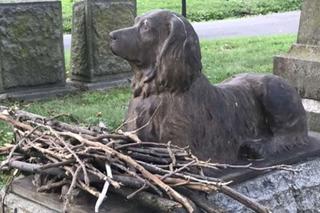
<point>185,120</point>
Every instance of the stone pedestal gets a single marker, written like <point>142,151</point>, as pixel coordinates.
<point>31,49</point>
<point>280,191</point>
<point>22,197</point>
<point>301,65</point>
<point>93,65</point>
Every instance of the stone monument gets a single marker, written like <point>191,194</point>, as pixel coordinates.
<point>93,65</point>
<point>31,49</point>
<point>301,65</point>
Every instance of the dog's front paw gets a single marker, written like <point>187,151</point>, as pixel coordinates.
<point>252,150</point>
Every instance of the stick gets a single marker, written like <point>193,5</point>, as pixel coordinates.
<point>71,187</point>
<point>16,146</point>
<point>243,199</point>
<point>53,185</point>
<point>201,201</point>
<point>178,170</point>
<point>172,156</point>
<point>6,150</point>
<point>137,191</point>
<point>51,165</point>
<point>161,165</point>
<point>86,178</point>
<point>104,189</point>
<point>154,202</point>
<point>144,172</point>
<point>133,174</point>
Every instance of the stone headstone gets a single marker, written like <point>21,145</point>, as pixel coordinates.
<point>301,65</point>
<point>31,49</point>
<point>93,65</point>
<point>309,29</point>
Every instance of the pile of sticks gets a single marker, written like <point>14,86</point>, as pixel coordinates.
<point>77,158</point>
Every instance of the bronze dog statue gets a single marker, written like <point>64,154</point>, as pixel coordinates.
<point>248,116</point>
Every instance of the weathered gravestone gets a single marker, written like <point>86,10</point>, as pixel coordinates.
<point>301,65</point>
<point>93,65</point>
<point>31,49</point>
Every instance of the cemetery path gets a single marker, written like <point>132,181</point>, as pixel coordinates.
<point>271,24</point>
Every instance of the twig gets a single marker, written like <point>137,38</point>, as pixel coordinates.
<point>86,178</point>
<point>71,187</point>
<point>243,199</point>
<point>144,181</point>
<point>141,169</point>
<point>201,201</point>
<point>137,191</point>
<point>133,134</point>
<point>178,170</point>
<point>125,122</point>
<point>53,185</point>
<point>6,189</point>
<point>6,150</point>
<point>51,165</point>
<point>172,156</point>
<point>156,203</point>
<point>16,146</point>
<point>104,189</point>
<point>102,196</point>
<point>57,148</point>
<point>149,121</point>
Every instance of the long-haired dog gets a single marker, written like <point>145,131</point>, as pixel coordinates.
<point>247,116</point>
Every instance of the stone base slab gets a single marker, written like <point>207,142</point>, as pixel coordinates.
<point>301,68</point>
<point>313,112</point>
<point>280,191</point>
<point>23,197</point>
<point>111,82</point>
<point>37,93</point>
<point>100,83</point>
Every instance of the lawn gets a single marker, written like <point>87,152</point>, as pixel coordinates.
<point>204,10</point>
<point>221,59</point>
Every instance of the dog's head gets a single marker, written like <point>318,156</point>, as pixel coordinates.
<point>161,47</point>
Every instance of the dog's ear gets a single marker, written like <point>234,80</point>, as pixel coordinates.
<point>137,19</point>
<point>179,60</point>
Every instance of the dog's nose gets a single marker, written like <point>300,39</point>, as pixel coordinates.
<point>112,35</point>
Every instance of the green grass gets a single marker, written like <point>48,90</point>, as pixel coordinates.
<point>223,58</point>
<point>87,108</point>
<point>67,14</point>
<point>200,10</point>
<point>67,55</point>
<point>204,10</point>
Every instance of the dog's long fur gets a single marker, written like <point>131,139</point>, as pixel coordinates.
<point>250,116</point>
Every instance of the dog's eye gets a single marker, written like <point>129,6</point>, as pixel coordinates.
<point>144,26</point>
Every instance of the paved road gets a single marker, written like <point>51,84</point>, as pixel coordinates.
<point>272,24</point>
